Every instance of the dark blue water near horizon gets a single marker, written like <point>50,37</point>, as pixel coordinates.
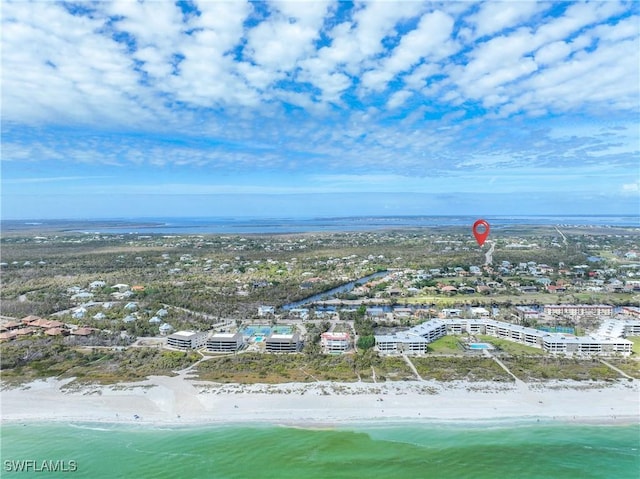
<point>251,225</point>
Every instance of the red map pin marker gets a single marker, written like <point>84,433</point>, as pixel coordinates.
<point>481,231</point>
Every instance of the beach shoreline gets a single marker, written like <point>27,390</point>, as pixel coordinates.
<point>179,401</point>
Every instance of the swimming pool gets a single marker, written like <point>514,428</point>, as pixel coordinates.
<point>479,346</point>
<point>264,330</point>
<point>258,339</point>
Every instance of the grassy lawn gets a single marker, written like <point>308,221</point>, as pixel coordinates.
<point>510,347</point>
<point>446,345</point>
<point>636,344</point>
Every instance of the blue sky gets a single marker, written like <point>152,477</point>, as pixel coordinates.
<point>140,109</point>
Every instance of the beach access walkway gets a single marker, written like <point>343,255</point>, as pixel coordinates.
<point>519,382</point>
<point>619,371</point>
<point>412,366</point>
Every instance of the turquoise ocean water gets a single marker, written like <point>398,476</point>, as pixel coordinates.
<point>397,451</point>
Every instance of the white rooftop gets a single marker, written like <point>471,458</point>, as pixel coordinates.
<point>186,334</point>
<point>281,336</point>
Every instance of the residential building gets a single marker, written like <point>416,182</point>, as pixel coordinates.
<point>632,311</point>
<point>586,345</point>
<point>265,310</point>
<point>414,340</point>
<point>302,313</point>
<point>430,330</point>
<point>283,343</point>
<point>225,342</point>
<point>527,313</point>
<point>187,339</point>
<point>608,339</point>
<point>619,328</point>
<point>479,312</point>
<point>575,310</point>
<point>403,342</point>
<point>165,328</point>
<point>335,342</point>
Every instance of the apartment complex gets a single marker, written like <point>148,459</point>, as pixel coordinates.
<point>632,311</point>
<point>575,310</point>
<point>187,340</point>
<point>283,343</point>
<point>586,345</point>
<point>414,340</point>
<point>335,342</point>
<point>609,339</point>
<point>225,342</point>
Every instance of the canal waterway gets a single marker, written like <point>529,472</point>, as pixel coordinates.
<point>331,293</point>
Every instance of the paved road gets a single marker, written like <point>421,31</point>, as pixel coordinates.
<point>488,256</point>
<point>564,238</point>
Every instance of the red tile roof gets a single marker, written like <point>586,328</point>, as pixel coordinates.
<point>83,331</point>
<point>56,332</point>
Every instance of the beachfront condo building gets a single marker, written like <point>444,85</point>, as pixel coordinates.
<point>403,342</point>
<point>608,340</point>
<point>225,342</point>
<point>414,340</point>
<point>187,340</point>
<point>335,342</point>
<point>586,345</point>
<point>283,343</point>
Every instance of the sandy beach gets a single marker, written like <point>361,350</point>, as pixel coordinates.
<point>178,400</point>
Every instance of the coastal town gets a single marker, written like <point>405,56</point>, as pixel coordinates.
<point>408,294</point>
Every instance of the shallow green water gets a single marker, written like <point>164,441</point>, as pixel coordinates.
<point>430,450</point>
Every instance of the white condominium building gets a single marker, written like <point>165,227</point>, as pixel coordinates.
<point>575,310</point>
<point>335,342</point>
<point>607,341</point>
<point>283,343</point>
<point>187,339</point>
<point>225,342</point>
<point>414,340</point>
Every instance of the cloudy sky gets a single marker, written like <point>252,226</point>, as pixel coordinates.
<point>201,108</point>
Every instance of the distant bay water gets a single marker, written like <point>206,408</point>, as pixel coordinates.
<point>523,451</point>
<point>222,225</point>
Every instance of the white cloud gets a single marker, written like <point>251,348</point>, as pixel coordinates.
<point>494,17</point>
<point>552,52</point>
<point>430,39</point>
<point>231,72</point>
<point>631,189</point>
<point>55,66</point>
<point>52,179</point>
<point>287,35</point>
<point>398,99</point>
